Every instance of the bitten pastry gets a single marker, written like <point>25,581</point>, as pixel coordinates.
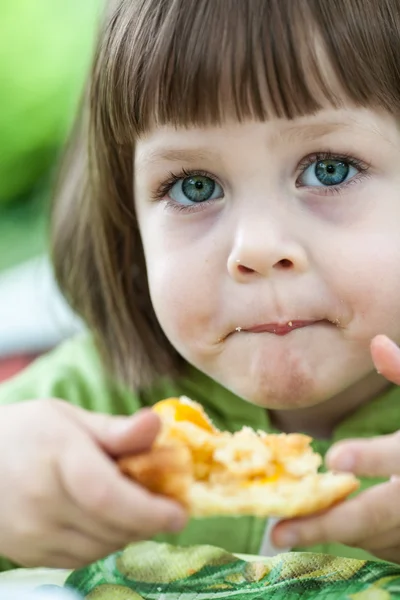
<point>214,472</point>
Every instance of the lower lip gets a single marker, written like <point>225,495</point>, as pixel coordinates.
<point>281,329</point>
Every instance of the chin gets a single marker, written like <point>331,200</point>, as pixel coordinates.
<point>273,393</point>
<point>285,378</point>
<point>280,399</point>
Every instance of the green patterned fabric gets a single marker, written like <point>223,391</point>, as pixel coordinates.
<point>153,571</point>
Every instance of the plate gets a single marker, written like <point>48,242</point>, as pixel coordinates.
<point>26,580</point>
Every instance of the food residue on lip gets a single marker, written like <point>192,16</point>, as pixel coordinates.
<point>290,324</point>
<point>238,329</point>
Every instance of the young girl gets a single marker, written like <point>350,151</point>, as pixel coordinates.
<point>228,225</point>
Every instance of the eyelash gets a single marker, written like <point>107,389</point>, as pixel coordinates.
<point>358,164</point>
<point>161,193</point>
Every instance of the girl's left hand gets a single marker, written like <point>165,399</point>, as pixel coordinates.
<point>372,519</point>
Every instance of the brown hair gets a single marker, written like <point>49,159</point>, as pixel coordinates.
<point>195,62</point>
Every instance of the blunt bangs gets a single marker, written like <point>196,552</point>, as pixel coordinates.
<point>199,62</point>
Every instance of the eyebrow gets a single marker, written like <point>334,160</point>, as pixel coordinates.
<point>307,132</point>
<point>310,132</point>
<point>178,155</point>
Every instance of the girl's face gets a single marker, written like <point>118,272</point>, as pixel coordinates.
<point>273,249</point>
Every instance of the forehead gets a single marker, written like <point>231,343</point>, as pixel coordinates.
<point>168,144</point>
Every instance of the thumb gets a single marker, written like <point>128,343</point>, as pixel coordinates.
<point>118,435</point>
<point>373,457</point>
<point>386,357</point>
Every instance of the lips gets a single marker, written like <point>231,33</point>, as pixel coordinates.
<point>279,328</point>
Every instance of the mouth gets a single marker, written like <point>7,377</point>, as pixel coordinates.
<point>280,328</point>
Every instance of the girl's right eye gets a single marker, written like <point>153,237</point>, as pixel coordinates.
<point>195,189</point>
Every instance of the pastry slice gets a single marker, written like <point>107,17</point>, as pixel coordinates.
<point>213,472</point>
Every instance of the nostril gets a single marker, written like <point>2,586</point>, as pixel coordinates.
<point>285,263</point>
<point>244,270</point>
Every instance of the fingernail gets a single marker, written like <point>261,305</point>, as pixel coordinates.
<point>341,461</point>
<point>287,539</point>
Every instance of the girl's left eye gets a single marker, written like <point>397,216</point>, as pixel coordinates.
<point>195,189</point>
<point>327,173</point>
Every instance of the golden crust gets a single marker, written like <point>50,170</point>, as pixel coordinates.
<point>296,498</point>
<point>165,470</point>
<point>246,473</point>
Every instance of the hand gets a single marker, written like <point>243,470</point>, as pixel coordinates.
<point>64,502</point>
<point>371,520</point>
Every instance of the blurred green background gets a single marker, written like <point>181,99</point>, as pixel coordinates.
<point>46,47</point>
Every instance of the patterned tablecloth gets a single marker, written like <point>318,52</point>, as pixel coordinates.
<point>153,571</point>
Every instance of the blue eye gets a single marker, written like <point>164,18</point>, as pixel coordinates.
<point>328,172</point>
<point>195,189</point>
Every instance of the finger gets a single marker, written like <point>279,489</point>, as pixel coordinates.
<point>389,554</point>
<point>46,500</point>
<point>53,560</point>
<point>386,357</point>
<point>104,533</point>
<point>96,485</point>
<point>372,512</point>
<point>60,546</point>
<point>388,539</point>
<point>117,435</point>
<point>57,561</point>
<point>374,457</point>
<point>83,548</point>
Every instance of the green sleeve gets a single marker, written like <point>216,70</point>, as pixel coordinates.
<point>72,372</point>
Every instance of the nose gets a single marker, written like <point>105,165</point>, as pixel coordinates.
<point>264,250</point>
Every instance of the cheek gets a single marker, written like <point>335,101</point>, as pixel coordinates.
<point>186,263</point>
<point>367,279</point>
<point>185,298</point>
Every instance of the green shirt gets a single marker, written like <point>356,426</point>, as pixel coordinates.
<point>73,372</point>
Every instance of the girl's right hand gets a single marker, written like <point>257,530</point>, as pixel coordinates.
<point>63,501</point>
